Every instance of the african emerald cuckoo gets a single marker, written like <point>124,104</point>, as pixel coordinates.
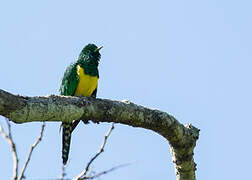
<point>80,79</point>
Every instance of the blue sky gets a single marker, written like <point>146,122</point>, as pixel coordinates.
<point>191,59</point>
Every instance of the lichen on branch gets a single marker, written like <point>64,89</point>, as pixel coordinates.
<point>182,139</point>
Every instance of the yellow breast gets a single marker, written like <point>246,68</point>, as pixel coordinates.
<point>87,84</point>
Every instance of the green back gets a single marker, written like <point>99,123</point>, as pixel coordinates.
<point>70,81</point>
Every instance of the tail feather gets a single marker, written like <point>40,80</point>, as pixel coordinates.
<point>66,140</point>
<point>74,124</point>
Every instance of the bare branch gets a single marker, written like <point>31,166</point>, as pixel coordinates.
<point>182,139</point>
<point>31,150</point>
<point>105,172</point>
<point>84,172</point>
<point>8,137</point>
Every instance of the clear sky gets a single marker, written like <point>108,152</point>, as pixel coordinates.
<point>192,59</point>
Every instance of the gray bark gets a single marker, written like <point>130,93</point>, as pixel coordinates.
<point>182,139</point>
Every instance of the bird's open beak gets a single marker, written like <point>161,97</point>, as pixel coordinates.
<point>99,48</point>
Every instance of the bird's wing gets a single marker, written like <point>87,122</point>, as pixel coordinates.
<point>68,86</point>
<point>69,81</point>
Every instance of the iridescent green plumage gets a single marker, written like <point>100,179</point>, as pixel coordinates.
<point>88,60</point>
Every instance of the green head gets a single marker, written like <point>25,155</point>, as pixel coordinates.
<point>90,54</point>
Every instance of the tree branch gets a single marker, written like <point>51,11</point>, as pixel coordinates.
<point>84,172</point>
<point>8,137</point>
<point>31,150</point>
<point>104,172</point>
<point>182,139</point>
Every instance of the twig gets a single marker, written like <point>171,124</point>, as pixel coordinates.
<point>8,137</point>
<point>31,150</point>
<point>84,172</point>
<point>91,173</point>
<point>105,172</point>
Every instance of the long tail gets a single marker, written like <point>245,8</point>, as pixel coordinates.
<point>66,140</point>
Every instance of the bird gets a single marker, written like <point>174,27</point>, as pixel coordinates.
<point>79,79</point>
